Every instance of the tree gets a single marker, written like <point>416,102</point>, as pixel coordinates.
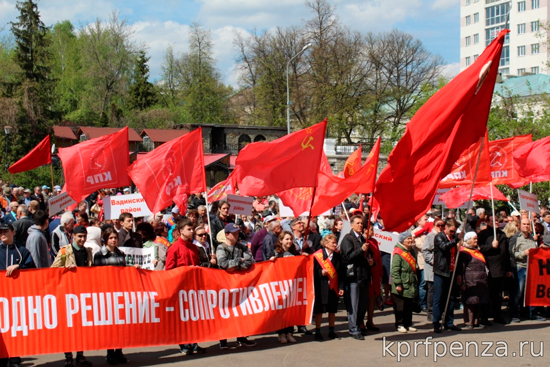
<point>142,93</point>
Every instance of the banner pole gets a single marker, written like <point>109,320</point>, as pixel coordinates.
<point>209,226</point>
<point>532,220</point>
<point>463,229</point>
<point>345,211</point>
<point>51,174</point>
<point>493,207</point>
<point>309,216</point>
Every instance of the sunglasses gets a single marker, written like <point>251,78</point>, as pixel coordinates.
<point>440,225</point>
<point>201,235</point>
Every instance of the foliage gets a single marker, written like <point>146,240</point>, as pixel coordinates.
<point>142,94</point>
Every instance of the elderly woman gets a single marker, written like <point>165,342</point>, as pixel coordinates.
<point>63,234</point>
<point>472,279</point>
<point>405,282</point>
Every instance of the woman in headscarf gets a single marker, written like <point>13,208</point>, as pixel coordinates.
<point>472,278</point>
<point>405,282</point>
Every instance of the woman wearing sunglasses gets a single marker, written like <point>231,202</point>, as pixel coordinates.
<point>208,259</point>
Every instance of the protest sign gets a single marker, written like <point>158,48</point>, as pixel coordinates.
<point>54,310</point>
<point>528,201</point>
<point>386,240</point>
<point>59,202</point>
<point>437,200</point>
<point>113,206</point>
<point>537,288</point>
<point>240,205</point>
<point>346,228</point>
<point>139,256</point>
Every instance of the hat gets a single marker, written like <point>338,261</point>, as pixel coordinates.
<point>80,229</point>
<point>220,237</point>
<point>6,226</point>
<point>27,190</point>
<point>57,187</point>
<point>269,218</point>
<point>126,189</point>
<point>356,211</point>
<point>232,228</point>
<point>403,236</point>
<point>469,235</point>
<point>7,190</point>
<point>45,187</point>
<point>545,239</point>
<point>515,213</point>
<point>175,210</point>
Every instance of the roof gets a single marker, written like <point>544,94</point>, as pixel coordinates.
<point>232,161</point>
<point>162,136</point>
<point>524,86</point>
<point>64,132</point>
<point>96,132</point>
<point>210,158</point>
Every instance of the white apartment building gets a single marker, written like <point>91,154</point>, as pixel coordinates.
<point>523,51</point>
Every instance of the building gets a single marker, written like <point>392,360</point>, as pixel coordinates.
<point>524,50</point>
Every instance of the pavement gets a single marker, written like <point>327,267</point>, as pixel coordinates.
<point>499,344</point>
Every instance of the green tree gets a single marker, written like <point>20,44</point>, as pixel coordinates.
<point>142,94</point>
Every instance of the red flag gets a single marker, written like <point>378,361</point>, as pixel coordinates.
<point>451,121</point>
<point>533,159</point>
<point>291,161</point>
<point>182,198</point>
<point>456,197</point>
<point>96,164</point>
<point>353,163</point>
<point>173,170</point>
<point>37,157</point>
<point>500,157</point>
<point>465,167</point>
<point>221,189</point>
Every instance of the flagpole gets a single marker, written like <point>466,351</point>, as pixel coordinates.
<point>209,226</point>
<point>309,216</point>
<point>493,207</point>
<point>345,211</point>
<point>51,174</point>
<point>463,229</point>
<point>532,221</point>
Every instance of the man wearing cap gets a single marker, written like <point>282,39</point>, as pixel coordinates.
<point>26,199</point>
<point>126,191</point>
<point>171,222</point>
<point>184,253</point>
<point>257,240</point>
<point>72,256</point>
<point>232,257</point>
<point>445,247</point>
<point>274,229</point>
<point>12,257</point>
<point>37,243</point>
<point>38,197</point>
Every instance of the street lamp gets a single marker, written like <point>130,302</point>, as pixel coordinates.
<point>7,130</point>
<point>287,87</point>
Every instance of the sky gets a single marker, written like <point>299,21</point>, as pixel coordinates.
<point>161,23</point>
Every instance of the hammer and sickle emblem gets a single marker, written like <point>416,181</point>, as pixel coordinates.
<point>371,167</point>
<point>306,143</point>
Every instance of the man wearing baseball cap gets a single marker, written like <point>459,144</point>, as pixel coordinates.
<point>233,256</point>
<point>257,240</point>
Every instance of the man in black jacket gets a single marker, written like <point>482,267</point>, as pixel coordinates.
<point>220,221</point>
<point>355,250</point>
<point>497,259</point>
<point>22,225</point>
<point>445,248</point>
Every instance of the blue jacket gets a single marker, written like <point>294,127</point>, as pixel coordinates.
<point>15,254</point>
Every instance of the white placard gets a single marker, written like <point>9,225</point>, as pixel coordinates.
<point>346,228</point>
<point>59,202</point>
<point>113,206</point>
<point>437,200</point>
<point>240,205</point>
<point>528,201</point>
<point>140,256</point>
<point>386,240</point>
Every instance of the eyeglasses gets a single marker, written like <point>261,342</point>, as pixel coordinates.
<point>201,235</point>
<point>440,225</point>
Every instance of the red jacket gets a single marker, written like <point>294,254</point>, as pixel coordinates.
<point>182,253</point>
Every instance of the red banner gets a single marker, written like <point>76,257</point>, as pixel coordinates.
<point>56,310</point>
<point>501,160</point>
<point>37,157</point>
<point>537,287</point>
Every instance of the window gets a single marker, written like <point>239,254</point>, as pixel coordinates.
<point>468,41</point>
<point>468,20</point>
<point>504,71</point>
<point>535,48</point>
<point>468,2</point>
<point>475,57</point>
<point>521,28</point>
<point>468,62</point>
<point>476,18</point>
<point>535,26</point>
<point>521,6</point>
<point>521,50</point>
<point>492,33</point>
<point>535,70</point>
<point>535,4</point>
<point>496,14</point>
<point>476,38</point>
<point>521,71</point>
<point>505,57</point>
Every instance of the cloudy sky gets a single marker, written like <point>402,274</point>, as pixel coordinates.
<point>161,23</point>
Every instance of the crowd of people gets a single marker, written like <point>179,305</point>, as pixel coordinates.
<point>438,265</point>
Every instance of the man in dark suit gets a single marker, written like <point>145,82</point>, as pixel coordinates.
<point>22,225</point>
<point>355,250</point>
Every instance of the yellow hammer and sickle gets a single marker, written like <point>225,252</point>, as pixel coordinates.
<point>307,144</point>
<point>371,166</point>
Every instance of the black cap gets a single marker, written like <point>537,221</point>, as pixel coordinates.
<point>6,226</point>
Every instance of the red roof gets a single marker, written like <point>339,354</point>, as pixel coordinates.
<point>64,132</point>
<point>161,135</point>
<point>210,158</point>
<point>96,132</point>
<point>232,161</point>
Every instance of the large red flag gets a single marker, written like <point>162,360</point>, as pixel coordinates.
<point>291,161</point>
<point>171,171</point>
<point>465,167</point>
<point>501,161</point>
<point>353,163</point>
<point>95,164</point>
<point>456,197</point>
<point>451,121</point>
<point>221,189</point>
<point>37,157</point>
<point>533,159</point>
